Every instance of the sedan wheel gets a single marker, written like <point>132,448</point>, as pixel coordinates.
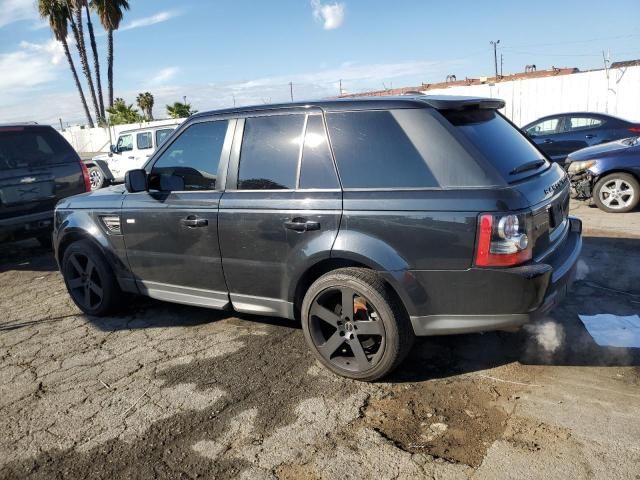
<point>618,192</point>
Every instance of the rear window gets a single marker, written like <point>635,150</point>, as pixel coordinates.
<point>495,138</point>
<point>22,147</point>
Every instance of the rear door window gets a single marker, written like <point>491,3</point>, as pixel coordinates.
<point>270,152</point>
<point>317,169</point>
<point>33,146</point>
<point>574,124</point>
<point>162,135</point>
<point>144,140</point>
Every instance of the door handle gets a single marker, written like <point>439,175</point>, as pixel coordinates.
<point>548,140</point>
<point>193,221</point>
<point>589,135</point>
<point>301,225</point>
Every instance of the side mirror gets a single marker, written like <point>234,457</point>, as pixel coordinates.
<point>136,181</point>
<point>113,149</point>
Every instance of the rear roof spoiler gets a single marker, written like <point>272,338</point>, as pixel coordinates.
<point>442,102</point>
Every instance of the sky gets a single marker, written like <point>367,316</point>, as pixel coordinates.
<point>217,53</point>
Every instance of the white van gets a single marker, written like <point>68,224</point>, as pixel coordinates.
<point>131,151</point>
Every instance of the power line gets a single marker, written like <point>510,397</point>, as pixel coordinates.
<point>587,40</point>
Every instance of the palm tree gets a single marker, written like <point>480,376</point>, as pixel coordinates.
<point>120,113</point>
<point>57,14</point>
<point>96,62</point>
<point>180,110</point>
<point>110,13</point>
<point>75,19</point>
<point>145,102</point>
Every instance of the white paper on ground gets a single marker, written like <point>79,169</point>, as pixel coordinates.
<point>613,331</point>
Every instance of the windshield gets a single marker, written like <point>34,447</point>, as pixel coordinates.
<point>503,145</point>
<point>22,147</point>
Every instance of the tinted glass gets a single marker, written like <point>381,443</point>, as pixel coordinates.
<point>317,170</point>
<point>495,138</point>
<point>125,143</point>
<point>270,152</point>
<point>144,140</point>
<point>546,127</point>
<point>581,123</point>
<point>162,135</point>
<point>24,147</point>
<point>373,150</point>
<point>193,158</point>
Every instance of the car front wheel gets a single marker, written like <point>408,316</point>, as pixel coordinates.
<point>355,325</point>
<point>89,279</point>
<point>617,193</point>
<point>96,178</point>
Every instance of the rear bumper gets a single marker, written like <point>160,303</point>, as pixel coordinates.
<point>538,286</point>
<point>26,226</point>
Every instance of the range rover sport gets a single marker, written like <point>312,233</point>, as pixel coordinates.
<point>371,220</point>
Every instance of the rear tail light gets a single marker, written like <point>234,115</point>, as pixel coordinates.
<point>85,176</point>
<point>635,130</point>
<point>503,240</point>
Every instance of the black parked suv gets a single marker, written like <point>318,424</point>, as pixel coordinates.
<point>371,220</point>
<point>37,169</point>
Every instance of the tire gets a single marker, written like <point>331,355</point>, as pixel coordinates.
<point>96,178</point>
<point>364,343</point>
<point>45,240</point>
<point>617,193</point>
<point>96,278</point>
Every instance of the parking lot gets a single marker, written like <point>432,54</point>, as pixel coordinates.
<point>169,391</point>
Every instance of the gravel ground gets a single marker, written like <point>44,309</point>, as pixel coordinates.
<point>169,391</point>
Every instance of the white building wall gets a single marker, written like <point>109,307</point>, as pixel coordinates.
<point>86,140</point>
<point>529,99</point>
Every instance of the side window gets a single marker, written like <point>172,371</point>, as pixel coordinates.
<point>374,149</point>
<point>317,170</point>
<point>191,161</point>
<point>270,152</point>
<point>546,127</point>
<point>125,143</point>
<point>572,124</point>
<point>162,135</point>
<point>144,140</point>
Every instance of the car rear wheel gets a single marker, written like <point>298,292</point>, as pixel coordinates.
<point>355,324</point>
<point>89,279</point>
<point>617,193</point>
<point>96,178</point>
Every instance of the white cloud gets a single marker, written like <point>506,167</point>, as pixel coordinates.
<point>330,14</point>
<point>151,20</point>
<point>34,64</point>
<point>163,76</point>
<point>16,10</point>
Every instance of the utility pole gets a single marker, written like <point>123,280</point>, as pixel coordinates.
<point>495,55</point>
<point>340,94</point>
<point>501,64</point>
<point>291,90</point>
<point>234,99</point>
<point>61,127</point>
<point>184,99</point>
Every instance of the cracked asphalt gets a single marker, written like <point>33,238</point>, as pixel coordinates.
<point>169,391</point>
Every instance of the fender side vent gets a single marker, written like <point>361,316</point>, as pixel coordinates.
<point>111,223</point>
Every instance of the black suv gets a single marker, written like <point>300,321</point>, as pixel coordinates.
<point>37,169</point>
<point>371,220</point>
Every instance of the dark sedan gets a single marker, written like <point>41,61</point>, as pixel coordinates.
<point>559,135</point>
<point>608,174</point>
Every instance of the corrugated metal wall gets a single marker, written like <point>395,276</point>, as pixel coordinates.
<point>529,99</point>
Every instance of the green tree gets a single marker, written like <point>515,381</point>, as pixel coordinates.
<point>121,113</point>
<point>145,102</point>
<point>180,110</point>
<point>57,13</point>
<point>110,13</point>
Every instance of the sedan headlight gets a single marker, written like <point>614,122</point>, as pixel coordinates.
<point>577,167</point>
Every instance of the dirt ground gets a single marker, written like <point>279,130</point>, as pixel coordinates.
<point>169,391</point>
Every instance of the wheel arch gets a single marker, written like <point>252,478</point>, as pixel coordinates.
<point>616,170</point>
